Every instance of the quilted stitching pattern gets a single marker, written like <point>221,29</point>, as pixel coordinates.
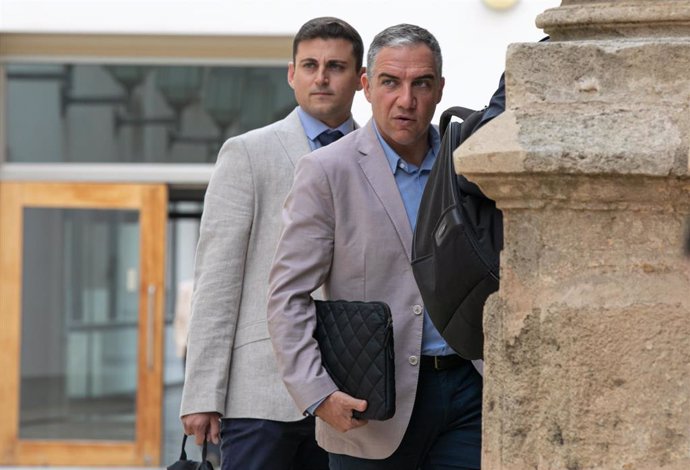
<point>356,343</point>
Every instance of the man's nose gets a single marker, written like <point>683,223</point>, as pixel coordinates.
<point>322,76</point>
<point>406,98</point>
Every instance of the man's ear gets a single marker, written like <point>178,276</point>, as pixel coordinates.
<point>365,86</point>
<point>291,74</point>
<point>362,72</point>
<point>440,90</point>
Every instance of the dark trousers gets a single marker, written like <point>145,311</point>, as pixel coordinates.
<point>445,428</point>
<point>260,444</point>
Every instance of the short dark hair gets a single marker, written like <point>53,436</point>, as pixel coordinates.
<point>404,35</point>
<point>328,27</point>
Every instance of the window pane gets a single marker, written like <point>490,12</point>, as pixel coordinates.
<point>88,113</point>
<point>79,324</point>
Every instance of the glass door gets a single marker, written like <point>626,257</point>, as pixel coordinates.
<point>81,295</point>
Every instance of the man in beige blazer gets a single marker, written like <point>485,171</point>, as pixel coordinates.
<point>231,371</point>
<point>349,221</point>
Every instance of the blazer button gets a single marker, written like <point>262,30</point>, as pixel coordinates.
<point>417,309</point>
<point>413,360</point>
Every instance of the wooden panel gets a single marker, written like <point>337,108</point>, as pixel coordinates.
<point>151,201</point>
<point>84,454</point>
<point>109,46</point>
<point>10,315</point>
<point>82,195</point>
<point>149,400</point>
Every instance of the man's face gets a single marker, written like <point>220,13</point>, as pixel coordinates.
<point>404,91</point>
<point>324,78</point>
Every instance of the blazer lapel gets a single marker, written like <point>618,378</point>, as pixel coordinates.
<point>291,136</point>
<point>378,173</point>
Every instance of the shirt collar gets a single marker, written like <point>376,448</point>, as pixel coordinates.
<point>394,159</point>
<point>313,127</point>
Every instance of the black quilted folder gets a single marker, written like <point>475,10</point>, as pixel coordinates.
<point>356,343</point>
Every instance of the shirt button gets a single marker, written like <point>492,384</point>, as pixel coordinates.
<point>413,360</point>
<point>417,309</point>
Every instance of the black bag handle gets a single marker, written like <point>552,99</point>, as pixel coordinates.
<point>183,453</point>
<point>203,453</point>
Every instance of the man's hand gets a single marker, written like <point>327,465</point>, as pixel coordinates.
<point>201,425</point>
<point>337,410</point>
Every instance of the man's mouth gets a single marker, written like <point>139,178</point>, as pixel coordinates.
<point>404,118</point>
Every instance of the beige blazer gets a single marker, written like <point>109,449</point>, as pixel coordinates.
<point>183,310</point>
<point>346,227</point>
<point>230,364</point>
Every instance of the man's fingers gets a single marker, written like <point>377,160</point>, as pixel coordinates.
<point>214,434</point>
<point>350,422</point>
<point>355,423</point>
<point>200,435</point>
<point>202,426</point>
<point>190,424</point>
<point>359,405</point>
<point>351,402</point>
<point>337,409</point>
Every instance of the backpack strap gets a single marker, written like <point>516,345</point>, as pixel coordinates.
<point>457,111</point>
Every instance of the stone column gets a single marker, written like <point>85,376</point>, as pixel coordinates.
<point>588,339</point>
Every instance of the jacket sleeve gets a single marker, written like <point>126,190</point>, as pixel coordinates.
<point>302,263</point>
<point>218,279</point>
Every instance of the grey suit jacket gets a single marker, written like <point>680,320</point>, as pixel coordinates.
<point>231,368</point>
<point>345,227</point>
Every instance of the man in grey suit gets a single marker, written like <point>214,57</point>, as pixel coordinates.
<point>348,225</point>
<point>231,371</point>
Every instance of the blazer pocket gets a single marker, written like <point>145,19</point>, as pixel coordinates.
<point>250,333</point>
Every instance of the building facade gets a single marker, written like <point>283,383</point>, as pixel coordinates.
<point>111,117</point>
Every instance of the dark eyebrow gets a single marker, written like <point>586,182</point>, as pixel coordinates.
<point>387,75</point>
<point>421,77</point>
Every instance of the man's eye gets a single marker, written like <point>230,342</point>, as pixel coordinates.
<point>309,65</point>
<point>336,66</point>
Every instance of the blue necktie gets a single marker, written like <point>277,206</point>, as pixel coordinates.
<point>328,137</point>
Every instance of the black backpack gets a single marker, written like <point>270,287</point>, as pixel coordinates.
<point>458,238</point>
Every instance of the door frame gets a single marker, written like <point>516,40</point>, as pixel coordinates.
<point>150,200</point>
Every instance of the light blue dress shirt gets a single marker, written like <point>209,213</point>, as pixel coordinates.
<point>411,180</point>
<point>313,127</point>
